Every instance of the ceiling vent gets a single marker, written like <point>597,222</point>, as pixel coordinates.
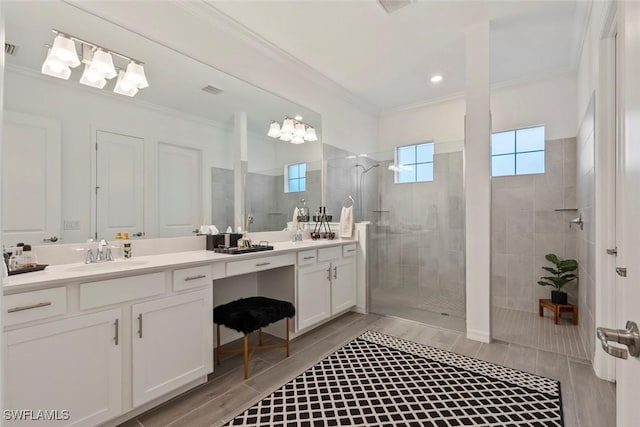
<point>10,49</point>
<point>392,5</point>
<point>212,89</point>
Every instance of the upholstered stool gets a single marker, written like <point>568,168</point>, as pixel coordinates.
<point>247,315</point>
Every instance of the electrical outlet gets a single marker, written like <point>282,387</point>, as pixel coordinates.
<point>72,225</point>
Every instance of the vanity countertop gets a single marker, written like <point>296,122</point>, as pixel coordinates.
<point>78,272</point>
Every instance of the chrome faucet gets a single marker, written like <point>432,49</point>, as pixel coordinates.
<point>102,253</point>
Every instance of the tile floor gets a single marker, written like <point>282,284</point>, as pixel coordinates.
<point>587,400</point>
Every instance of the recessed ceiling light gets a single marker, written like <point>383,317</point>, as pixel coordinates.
<point>437,78</point>
<point>298,117</point>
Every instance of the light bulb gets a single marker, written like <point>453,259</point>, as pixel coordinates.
<point>53,67</point>
<point>274,130</point>
<point>135,74</point>
<point>123,86</point>
<point>287,125</point>
<point>65,50</point>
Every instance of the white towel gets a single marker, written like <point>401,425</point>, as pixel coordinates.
<point>296,212</point>
<point>346,222</point>
<point>213,229</point>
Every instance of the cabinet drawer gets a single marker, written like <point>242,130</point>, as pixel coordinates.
<point>307,257</point>
<point>187,278</point>
<point>326,254</point>
<point>113,291</point>
<point>34,305</point>
<point>349,250</point>
<point>259,264</point>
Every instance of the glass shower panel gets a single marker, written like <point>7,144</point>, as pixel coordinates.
<point>416,250</point>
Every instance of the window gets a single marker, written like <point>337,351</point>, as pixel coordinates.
<point>296,178</point>
<point>517,152</point>
<point>414,163</point>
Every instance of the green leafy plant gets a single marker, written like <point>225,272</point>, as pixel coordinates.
<point>563,272</point>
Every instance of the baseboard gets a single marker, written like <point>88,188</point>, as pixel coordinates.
<point>481,336</point>
<point>360,310</point>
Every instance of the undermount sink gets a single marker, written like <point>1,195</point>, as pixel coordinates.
<point>107,265</point>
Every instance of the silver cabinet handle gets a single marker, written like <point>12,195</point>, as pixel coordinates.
<point>261,264</point>
<point>613,251</point>
<point>622,271</point>
<point>199,276</point>
<point>51,239</point>
<point>140,325</point>
<point>329,274</point>
<point>116,337</point>
<point>138,234</point>
<point>335,272</point>
<point>351,250</point>
<point>309,257</point>
<point>28,307</point>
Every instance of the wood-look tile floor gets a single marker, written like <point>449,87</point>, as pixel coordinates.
<point>587,400</point>
<point>531,330</point>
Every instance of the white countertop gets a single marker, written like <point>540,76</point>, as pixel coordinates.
<point>66,273</point>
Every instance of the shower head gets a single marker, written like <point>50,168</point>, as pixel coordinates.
<point>375,165</point>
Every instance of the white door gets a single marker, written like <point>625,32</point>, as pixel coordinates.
<point>179,190</point>
<point>119,185</point>
<point>314,294</point>
<point>343,287</point>
<point>31,179</point>
<point>72,364</point>
<point>628,288</point>
<point>172,343</point>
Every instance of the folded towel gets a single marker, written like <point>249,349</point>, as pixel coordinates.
<point>345,230</point>
<point>296,213</point>
<point>213,229</point>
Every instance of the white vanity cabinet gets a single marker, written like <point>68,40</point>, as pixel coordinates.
<point>172,342</point>
<point>73,364</point>
<point>343,284</point>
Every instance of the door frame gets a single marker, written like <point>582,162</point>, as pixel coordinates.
<point>95,128</point>
<point>605,184</point>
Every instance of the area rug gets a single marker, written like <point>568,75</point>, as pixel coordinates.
<point>377,379</point>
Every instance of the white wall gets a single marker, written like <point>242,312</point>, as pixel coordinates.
<point>549,102</point>
<point>80,110</point>
<point>212,39</point>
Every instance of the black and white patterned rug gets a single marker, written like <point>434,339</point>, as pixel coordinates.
<point>378,379</point>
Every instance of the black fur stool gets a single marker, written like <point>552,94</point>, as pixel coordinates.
<point>250,314</point>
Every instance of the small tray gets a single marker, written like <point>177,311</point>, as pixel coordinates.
<point>38,267</point>
<point>238,251</point>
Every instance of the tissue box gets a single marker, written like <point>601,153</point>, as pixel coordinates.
<point>228,240</point>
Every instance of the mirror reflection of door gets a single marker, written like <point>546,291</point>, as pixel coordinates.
<point>179,190</point>
<point>31,179</point>
<point>119,185</point>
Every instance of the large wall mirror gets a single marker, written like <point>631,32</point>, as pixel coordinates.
<point>81,162</point>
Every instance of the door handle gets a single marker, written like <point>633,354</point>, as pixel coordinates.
<point>138,234</point>
<point>51,239</point>
<point>613,251</point>
<point>140,325</point>
<point>335,272</point>
<point>622,271</point>
<point>630,337</point>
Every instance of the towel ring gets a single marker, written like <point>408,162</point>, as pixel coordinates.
<point>348,202</point>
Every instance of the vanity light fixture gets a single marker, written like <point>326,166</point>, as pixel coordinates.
<point>98,65</point>
<point>292,130</point>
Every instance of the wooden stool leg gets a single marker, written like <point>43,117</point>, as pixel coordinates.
<point>540,308</point>
<point>556,313</point>
<point>246,357</point>
<point>260,337</point>
<point>287,336</point>
<point>217,343</point>
<point>575,314</point>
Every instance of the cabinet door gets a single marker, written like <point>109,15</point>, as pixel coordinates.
<point>172,343</point>
<point>73,364</point>
<point>314,294</point>
<point>343,287</point>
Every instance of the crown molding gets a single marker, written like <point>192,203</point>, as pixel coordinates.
<point>509,84</point>
<point>581,30</point>
<point>207,11</point>
<point>28,72</point>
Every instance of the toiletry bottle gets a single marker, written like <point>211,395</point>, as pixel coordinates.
<point>28,257</point>
<point>126,245</point>
<point>16,258</point>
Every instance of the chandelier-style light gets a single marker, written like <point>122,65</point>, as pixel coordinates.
<point>98,65</point>
<point>293,131</point>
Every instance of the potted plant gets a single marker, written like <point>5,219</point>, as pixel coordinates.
<point>563,273</point>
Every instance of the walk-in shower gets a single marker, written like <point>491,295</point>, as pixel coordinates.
<point>360,196</point>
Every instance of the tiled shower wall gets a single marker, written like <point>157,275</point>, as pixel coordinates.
<point>525,226</point>
<point>586,237</point>
<point>222,198</point>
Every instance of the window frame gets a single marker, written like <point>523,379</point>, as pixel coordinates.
<point>301,179</point>
<point>397,171</point>
<point>516,152</point>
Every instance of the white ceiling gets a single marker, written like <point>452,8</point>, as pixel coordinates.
<point>387,59</point>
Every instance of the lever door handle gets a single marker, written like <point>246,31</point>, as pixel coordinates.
<point>630,337</point>
<point>622,271</point>
<point>51,239</point>
<point>613,251</point>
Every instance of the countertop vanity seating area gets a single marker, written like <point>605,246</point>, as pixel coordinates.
<point>110,340</point>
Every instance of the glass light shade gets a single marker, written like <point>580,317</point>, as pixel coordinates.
<point>300,130</point>
<point>53,67</point>
<point>91,78</point>
<point>286,136</point>
<point>102,63</point>
<point>287,125</point>
<point>135,74</point>
<point>274,130</point>
<point>65,50</point>
<point>124,86</point>
<point>310,135</point>
<point>297,140</point>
